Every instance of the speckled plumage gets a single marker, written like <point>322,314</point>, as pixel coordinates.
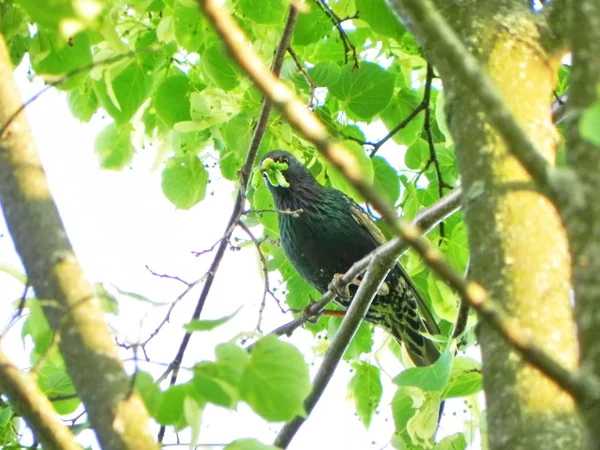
<point>330,234</point>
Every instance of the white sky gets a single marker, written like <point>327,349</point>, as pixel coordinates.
<point>119,222</point>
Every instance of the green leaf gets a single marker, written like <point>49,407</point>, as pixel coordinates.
<point>219,68</point>
<point>11,270</point>
<point>66,14</point>
<point>421,427</point>
<point>171,101</point>
<point>171,406</point>
<point>17,47</point>
<point>455,442</point>
<point>108,302</point>
<point>192,29</point>
<point>403,407</point>
<point>399,109</point>
<point>113,147</point>
<point>51,55</point>
<point>83,103</point>
<point>237,134</point>
<point>12,21</point>
<point>430,378</point>
<point>232,361</point>
<point>356,158</point>
<point>54,381</point>
<point>385,179</point>
<point>465,378</point>
<point>444,300</point>
<point>149,391</point>
<point>263,11</point>
<point>276,381</point>
<point>207,325</point>
<point>378,15</point>
<point>122,96</point>
<point>192,412</point>
<point>589,126</point>
<point>311,27</point>
<point>457,247</point>
<point>366,390</point>
<point>366,90</point>
<point>417,155</point>
<point>184,181</point>
<point>6,415</point>
<point>38,327</point>
<point>325,73</point>
<point>440,116</point>
<point>209,383</point>
<point>249,444</point>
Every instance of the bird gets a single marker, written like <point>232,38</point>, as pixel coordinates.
<point>323,232</point>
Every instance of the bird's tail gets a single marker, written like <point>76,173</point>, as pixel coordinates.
<point>413,321</point>
<point>409,330</point>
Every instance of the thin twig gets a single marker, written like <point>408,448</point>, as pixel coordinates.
<point>265,269</point>
<point>433,159</point>
<point>304,72</point>
<point>337,23</point>
<point>414,113</point>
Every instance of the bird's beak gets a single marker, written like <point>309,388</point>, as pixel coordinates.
<point>273,170</point>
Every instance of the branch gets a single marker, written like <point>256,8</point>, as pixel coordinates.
<point>414,113</point>
<point>29,401</point>
<point>295,112</point>
<point>53,271</point>
<point>238,208</point>
<point>453,57</point>
<point>373,279</point>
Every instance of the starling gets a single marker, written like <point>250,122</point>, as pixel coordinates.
<point>327,234</point>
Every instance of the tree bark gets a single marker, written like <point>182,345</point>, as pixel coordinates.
<point>519,250</point>
<point>117,415</point>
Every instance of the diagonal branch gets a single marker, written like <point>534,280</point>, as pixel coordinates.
<point>572,381</point>
<point>238,208</point>
<point>30,403</point>
<point>452,56</point>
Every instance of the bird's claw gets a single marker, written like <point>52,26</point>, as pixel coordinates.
<point>341,290</point>
<point>309,316</point>
<point>338,287</point>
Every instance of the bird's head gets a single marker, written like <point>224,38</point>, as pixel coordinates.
<point>283,171</point>
<point>290,182</point>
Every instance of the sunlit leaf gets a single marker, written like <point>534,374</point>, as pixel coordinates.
<point>365,91</point>
<point>430,378</point>
<point>184,181</point>
<point>276,381</point>
<point>366,390</point>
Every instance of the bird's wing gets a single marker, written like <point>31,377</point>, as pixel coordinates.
<point>365,220</point>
